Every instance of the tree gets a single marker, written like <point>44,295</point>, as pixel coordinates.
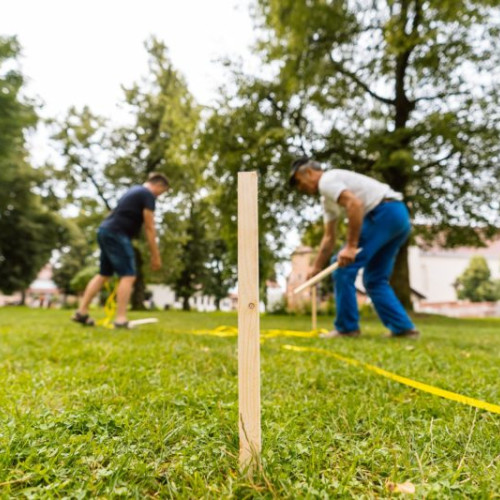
<point>84,144</point>
<point>403,90</point>
<point>220,275</point>
<point>76,255</point>
<point>29,228</point>
<point>248,131</point>
<point>475,284</point>
<point>192,274</point>
<point>101,162</point>
<point>164,137</point>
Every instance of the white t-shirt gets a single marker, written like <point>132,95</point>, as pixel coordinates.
<point>370,191</point>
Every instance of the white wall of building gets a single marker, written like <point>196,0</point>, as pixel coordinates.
<point>433,273</point>
<point>162,296</point>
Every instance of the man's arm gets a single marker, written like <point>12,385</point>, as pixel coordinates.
<point>354,209</point>
<point>149,227</point>
<point>325,249</point>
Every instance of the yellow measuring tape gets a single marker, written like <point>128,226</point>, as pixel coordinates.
<point>109,308</point>
<point>402,380</point>
<point>231,331</point>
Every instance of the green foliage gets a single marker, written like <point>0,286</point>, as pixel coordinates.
<point>29,228</point>
<point>194,254</point>
<point>75,255</point>
<point>94,413</point>
<point>405,91</point>
<point>248,132</point>
<point>164,132</point>
<point>82,277</point>
<point>314,232</point>
<point>163,136</point>
<point>220,275</point>
<point>475,284</point>
<point>82,139</point>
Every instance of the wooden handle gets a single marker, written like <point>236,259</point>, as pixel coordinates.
<point>318,277</point>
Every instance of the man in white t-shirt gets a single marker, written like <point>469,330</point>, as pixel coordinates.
<point>378,224</point>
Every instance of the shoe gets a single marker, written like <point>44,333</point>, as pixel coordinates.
<point>125,325</point>
<point>83,319</point>
<point>406,334</point>
<point>336,334</point>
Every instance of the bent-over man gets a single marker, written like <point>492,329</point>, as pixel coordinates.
<point>378,223</point>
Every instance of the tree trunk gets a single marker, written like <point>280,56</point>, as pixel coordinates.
<point>185,303</point>
<point>398,177</point>
<point>400,279</point>
<point>23,298</point>
<point>139,291</point>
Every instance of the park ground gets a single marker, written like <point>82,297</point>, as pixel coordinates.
<point>91,412</point>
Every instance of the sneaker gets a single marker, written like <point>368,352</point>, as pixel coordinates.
<point>83,319</point>
<point>336,334</point>
<point>406,334</point>
<point>125,324</point>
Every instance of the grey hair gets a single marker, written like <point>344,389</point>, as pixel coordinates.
<point>314,165</point>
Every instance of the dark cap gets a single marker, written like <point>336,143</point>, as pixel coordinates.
<point>295,166</point>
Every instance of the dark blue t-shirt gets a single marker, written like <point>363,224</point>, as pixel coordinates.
<point>127,217</point>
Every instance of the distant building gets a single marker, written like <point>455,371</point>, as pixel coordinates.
<point>434,271</point>
<point>433,274</point>
<point>302,260</point>
<point>41,293</point>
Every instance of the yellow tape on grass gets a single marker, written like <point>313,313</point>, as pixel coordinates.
<point>109,308</point>
<point>232,331</point>
<point>459,398</point>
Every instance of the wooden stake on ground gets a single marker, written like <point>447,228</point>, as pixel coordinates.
<point>314,313</point>
<point>248,322</point>
<point>143,321</point>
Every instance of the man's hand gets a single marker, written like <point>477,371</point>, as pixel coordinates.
<point>156,263</point>
<point>346,256</point>
<point>313,272</point>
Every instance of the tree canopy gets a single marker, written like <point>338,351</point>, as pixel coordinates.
<point>475,283</point>
<point>29,228</point>
<point>406,91</point>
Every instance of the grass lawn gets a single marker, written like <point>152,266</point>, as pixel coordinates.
<point>153,412</point>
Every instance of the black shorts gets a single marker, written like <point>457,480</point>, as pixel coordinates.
<point>117,254</point>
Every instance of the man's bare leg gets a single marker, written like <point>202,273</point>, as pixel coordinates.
<point>92,289</point>
<point>122,297</point>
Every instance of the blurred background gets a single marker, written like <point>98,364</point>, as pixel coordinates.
<point>94,96</point>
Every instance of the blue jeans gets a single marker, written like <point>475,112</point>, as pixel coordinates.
<point>117,254</point>
<point>385,229</point>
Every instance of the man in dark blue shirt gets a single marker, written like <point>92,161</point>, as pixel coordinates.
<point>114,236</point>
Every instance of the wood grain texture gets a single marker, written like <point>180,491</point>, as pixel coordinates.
<point>248,321</point>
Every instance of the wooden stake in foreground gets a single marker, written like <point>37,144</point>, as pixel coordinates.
<point>248,321</point>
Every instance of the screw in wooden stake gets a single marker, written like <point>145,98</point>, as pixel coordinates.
<point>248,322</point>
